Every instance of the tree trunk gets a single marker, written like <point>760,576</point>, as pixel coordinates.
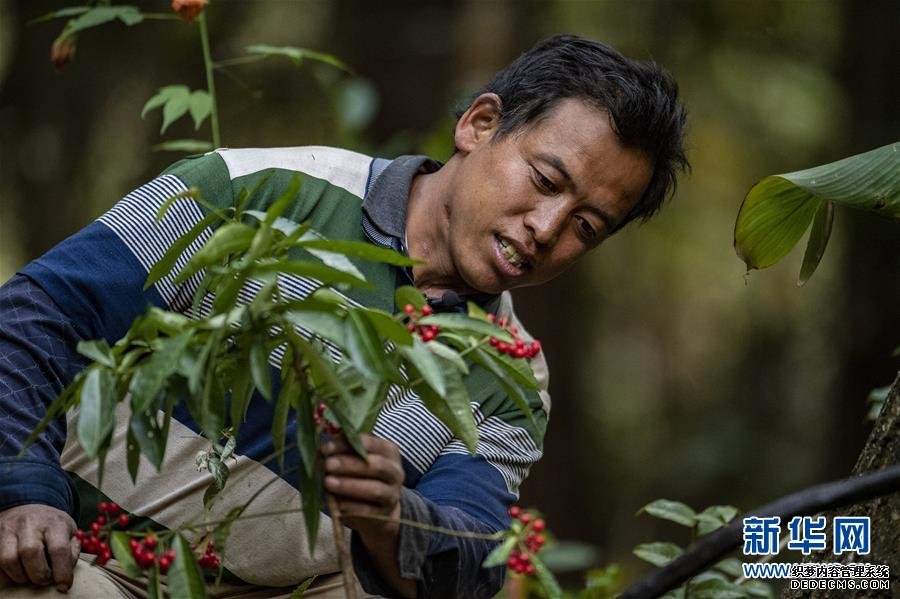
<point>882,449</point>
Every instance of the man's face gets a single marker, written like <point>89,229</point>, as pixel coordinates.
<point>525,207</point>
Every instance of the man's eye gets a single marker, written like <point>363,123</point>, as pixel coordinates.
<point>543,182</point>
<point>585,228</point>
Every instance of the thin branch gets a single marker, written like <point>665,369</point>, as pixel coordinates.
<point>344,557</point>
<point>716,545</point>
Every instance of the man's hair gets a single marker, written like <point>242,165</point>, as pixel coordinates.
<point>640,97</point>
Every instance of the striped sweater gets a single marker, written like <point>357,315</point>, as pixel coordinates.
<point>90,286</point>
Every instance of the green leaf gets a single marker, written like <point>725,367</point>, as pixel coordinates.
<point>323,324</point>
<point>715,517</point>
<point>730,566</point>
<point>154,590</point>
<point>460,323</point>
<point>98,351</point>
<point>426,364</point>
<point>302,588</point>
<point>121,549</point>
<point>306,434</point>
<point>359,249</point>
<point>297,55</point>
<point>220,472</point>
<point>364,347</point>
<point>778,209</point>
<point>408,295</point>
<point>569,556</point>
<point>388,328</point>
<point>519,370</point>
<point>228,239</point>
<point>335,260</point>
<point>475,311</point>
<point>241,392</point>
<point>715,589</point>
<point>165,264</point>
<point>605,582</point>
<point>63,12</point>
<point>453,409</point>
<point>133,455</point>
<point>280,415</point>
<point>311,502</point>
<point>818,240</point>
<point>151,375</point>
<point>185,580</point>
<point>146,433</point>
<point>183,145</point>
<point>200,105</point>
<point>321,272</point>
<point>500,553</point>
<point>259,368</point>
<point>658,554</point>
<point>97,415</point>
<point>758,588</point>
<point>487,361</point>
<point>675,511</point>
<point>99,15</point>
<point>177,104</point>
<point>546,579</point>
<point>449,354</point>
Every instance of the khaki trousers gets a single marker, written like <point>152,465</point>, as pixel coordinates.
<point>111,582</point>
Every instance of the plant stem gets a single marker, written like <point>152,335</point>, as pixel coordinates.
<point>344,557</point>
<point>238,60</point>
<point>210,81</point>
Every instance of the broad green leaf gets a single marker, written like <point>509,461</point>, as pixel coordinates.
<point>757,588</point>
<point>658,554</point>
<point>475,311</point>
<point>165,264</point>
<point>427,365</point>
<point>453,409</point>
<point>605,582</point>
<point>449,354</point>
<point>63,12</point>
<point>241,392</point>
<point>183,145</point>
<point>154,589</point>
<point>259,368</point>
<point>715,588</point>
<point>311,502</point>
<point>97,414</point>
<point>460,323</point>
<point>778,209</point>
<point>324,324</point>
<point>146,432</point>
<point>98,351</point>
<point>546,579</point>
<point>177,104</point>
<point>408,295</point>
<point>288,227</point>
<point>519,370</point>
<point>359,249</point>
<point>818,239</point>
<point>487,361</point>
<point>388,327</point>
<point>715,517</point>
<point>730,566</point>
<point>307,437</point>
<point>99,15</point>
<point>297,55</point>
<point>185,580</point>
<point>500,553</point>
<point>133,455</point>
<point>200,105</point>
<point>150,377</point>
<point>674,511</point>
<point>333,259</point>
<point>121,550</point>
<point>228,239</point>
<point>569,556</point>
<point>364,347</point>
<point>220,472</point>
<point>320,272</point>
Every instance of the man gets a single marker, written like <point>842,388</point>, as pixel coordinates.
<point>564,147</point>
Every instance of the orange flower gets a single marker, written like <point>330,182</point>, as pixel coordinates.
<point>188,9</point>
<point>62,51</point>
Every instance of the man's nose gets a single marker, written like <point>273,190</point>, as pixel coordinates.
<point>545,221</point>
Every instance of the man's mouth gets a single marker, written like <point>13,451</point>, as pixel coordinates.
<point>510,253</point>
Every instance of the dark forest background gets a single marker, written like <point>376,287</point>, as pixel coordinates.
<point>672,373</point>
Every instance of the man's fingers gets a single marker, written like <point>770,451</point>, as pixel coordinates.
<point>59,548</point>
<point>379,467</point>
<point>366,490</point>
<point>9,559</point>
<point>338,444</point>
<point>33,556</point>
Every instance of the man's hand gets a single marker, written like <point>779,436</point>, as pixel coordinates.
<point>370,489</point>
<point>37,546</point>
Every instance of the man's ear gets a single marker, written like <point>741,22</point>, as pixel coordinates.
<point>478,123</point>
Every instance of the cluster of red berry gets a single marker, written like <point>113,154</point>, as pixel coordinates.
<point>144,553</point>
<point>519,560</point>
<point>426,332</point>
<point>518,348</point>
<point>96,541</point>
<point>209,559</point>
<point>322,423</point>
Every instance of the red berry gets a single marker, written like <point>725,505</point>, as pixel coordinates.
<point>491,317</point>
<point>540,540</point>
<point>536,346</point>
<point>164,564</point>
<point>514,330</point>
<point>524,559</point>
<point>104,546</point>
<point>150,542</point>
<point>170,554</point>
<point>102,507</point>
<point>519,352</point>
<point>123,520</point>
<point>494,341</point>
<point>113,508</point>
<point>106,555</point>
<point>538,525</point>
<point>410,327</point>
<point>426,310</point>
<point>514,511</point>
<point>101,520</point>
<point>101,560</point>
<point>135,545</point>
<point>409,309</point>
<point>512,561</point>
<point>529,569</point>
<point>95,527</point>
<point>525,518</point>
<point>501,347</point>
<point>79,534</point>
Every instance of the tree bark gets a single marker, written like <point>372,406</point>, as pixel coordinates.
<point>882,449</point>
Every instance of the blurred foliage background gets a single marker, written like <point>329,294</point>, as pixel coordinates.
<point>674,374</point>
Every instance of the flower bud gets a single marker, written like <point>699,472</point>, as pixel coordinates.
<point>62,51</point>
<point>188,9</point>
